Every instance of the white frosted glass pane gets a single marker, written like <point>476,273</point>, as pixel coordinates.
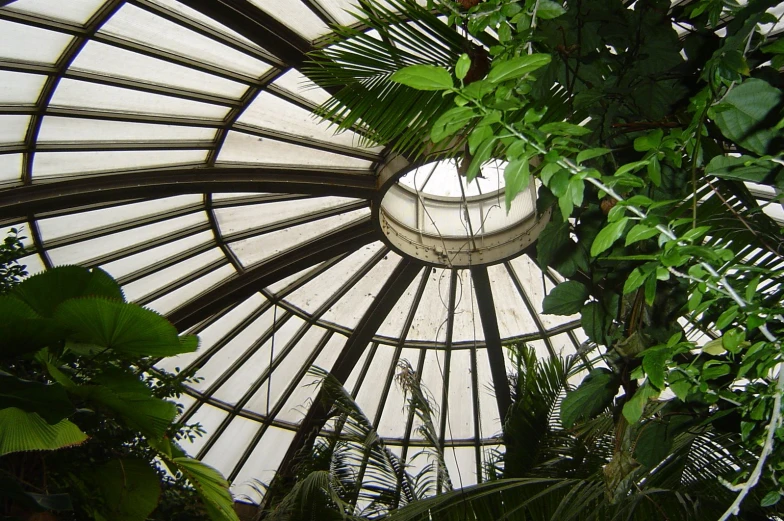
<point>395,320</point>
<point>210,418</point>
<point>33,264</point>
<point>240,218</point>
<point>186,401</point>
<point>461,398</point>
<point>226,452</point>
<point>180,296</point>
<point>432,383</point>
<point>55,128</point>
<point>313,294</point>
<point>81,94</point>
<point>373,385</point>
<point>256,249</point>
<point>10,168</point>
<point>430,319</point>
<point>86,250</point>
<point>78,11</point>
<point>341,10</point>
<point>563,345</point>
<point>531,278</point>
<point>269,111</point>
<point>395,411</point>
<point>139,288</point>
<point>49,164</point>
<point>285,373</point>
<point>23,229</point>
<point>229,353</point>
<point>489,419</point>
<point>27,43</point>
<point>13,128</point>
<point>241,381</point>
<point>468,323</point>
<point>296,15</point>
<point>352,306</point>
<point>113,61</point>
<point>17,88</point>
<point>146,28</point>
<point>297,405</point>
<point>96,219</point>
<point>461,464</point>
<point>247,149</point>
<point>353,378</point>
<point>262,464</point>
<point>127,265</point>
<point>512,315</point>
<point>283,283</point>
<point>297,83</point>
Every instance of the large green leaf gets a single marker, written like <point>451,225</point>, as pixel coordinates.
<point>125,328</point>
<point>566,298</point>
<point>27,431</point>
<point>746,115</point>
<point>209,484</point>
<point>23,331</point>
<point>743,168</point>
<point>130,489</point>
<point>517,67</point>
<point>424,77</point>
<point>595,393</point>
<point>50,401</point>
<point>47,290</point>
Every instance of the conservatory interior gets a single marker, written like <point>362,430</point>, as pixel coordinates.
<point>445,259</point>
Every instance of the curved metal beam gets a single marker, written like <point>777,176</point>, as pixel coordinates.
<point>288,262</point>
<point>24,200</point>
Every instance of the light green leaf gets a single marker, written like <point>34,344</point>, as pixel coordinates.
<point>632,409</point>
<point>591,153</point>
<point>564,128</point>
<point>423,77</point>
<point>640,232</point>
<point>517,67</point>
<point>462,67</point>
<point>629,167</point>
<point>771,498</point>
<point>27,431</point>
<point>565,299</point>
<point>654,364</point>
<point>211,486</point>
<point>654,171</point>
<point>609,234</point>
<point>483,153</point>
<point>594,394</point>
<point>636,279</point>
<point>450,122</point>
<point>548,9</point>
<point>516,176</point>
<point>649,141</point>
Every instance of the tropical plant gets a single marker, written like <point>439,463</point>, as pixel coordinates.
<point>85,426</point>
<point>643,121</point>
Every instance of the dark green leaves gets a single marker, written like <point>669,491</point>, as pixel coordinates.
<point>424,77</point>
<point>517,67</point>
<point>566,298</point>
<point>595,393</point>
<point>744,115</point>
<point>130,489</point>
<point>50,401</point>
<point>450,122</point>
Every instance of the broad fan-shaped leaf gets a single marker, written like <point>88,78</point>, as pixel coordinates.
<point>130,489</point>
<point>22,330</point>
<point>211,486</point>
<point>47,290</point>
<point>50,401</point>
<point>125,328</point>
<point>27,431</point>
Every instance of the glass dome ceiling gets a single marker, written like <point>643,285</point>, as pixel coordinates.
<point>173,144</point>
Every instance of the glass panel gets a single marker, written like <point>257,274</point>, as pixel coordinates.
<point>116,62</point>
<point>352,306</point>
<point>50,164</point>
<point>241,218</point>
<point>430,318</point>
<point>65,225</point>
<point>130,264</point>
<point>138,289</point>
<point>432,384</point>
<point>13,128</point>
<point>395,416</point>
<point>80,129</point>
<point>244,148</point>
<point>79,11</point>
<point>531,278</point>
<point>353,378</point>
<point>180,296</point>
<point>370,392</point>
<point>299,402</point>
<point>262,464</point>
<point>10,168</point>
<point>394,322</point>
<point>489,418</point>
<point>83,251</point>
<point>297,83</point>
<point>296,15</point>
<point>468,323</point>
<point>512,315</point>
<point>313,294</point>
<point>256,249</point>
<point>17,88</point>
<point>226,452</point>
<point>241,381</point>
<point>461,398</point>
<point>341,10</point>
<point>82,94</point>
<point>30,44</point>
<point>461,464</point>
<point>33,263</point>
<point>210,418</point>
<point>143,27</point>
<point>269,111</point>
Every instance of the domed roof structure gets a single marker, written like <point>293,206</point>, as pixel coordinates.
<point>174,144</point>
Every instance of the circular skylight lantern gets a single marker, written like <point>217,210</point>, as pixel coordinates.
<point>432,213</point>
